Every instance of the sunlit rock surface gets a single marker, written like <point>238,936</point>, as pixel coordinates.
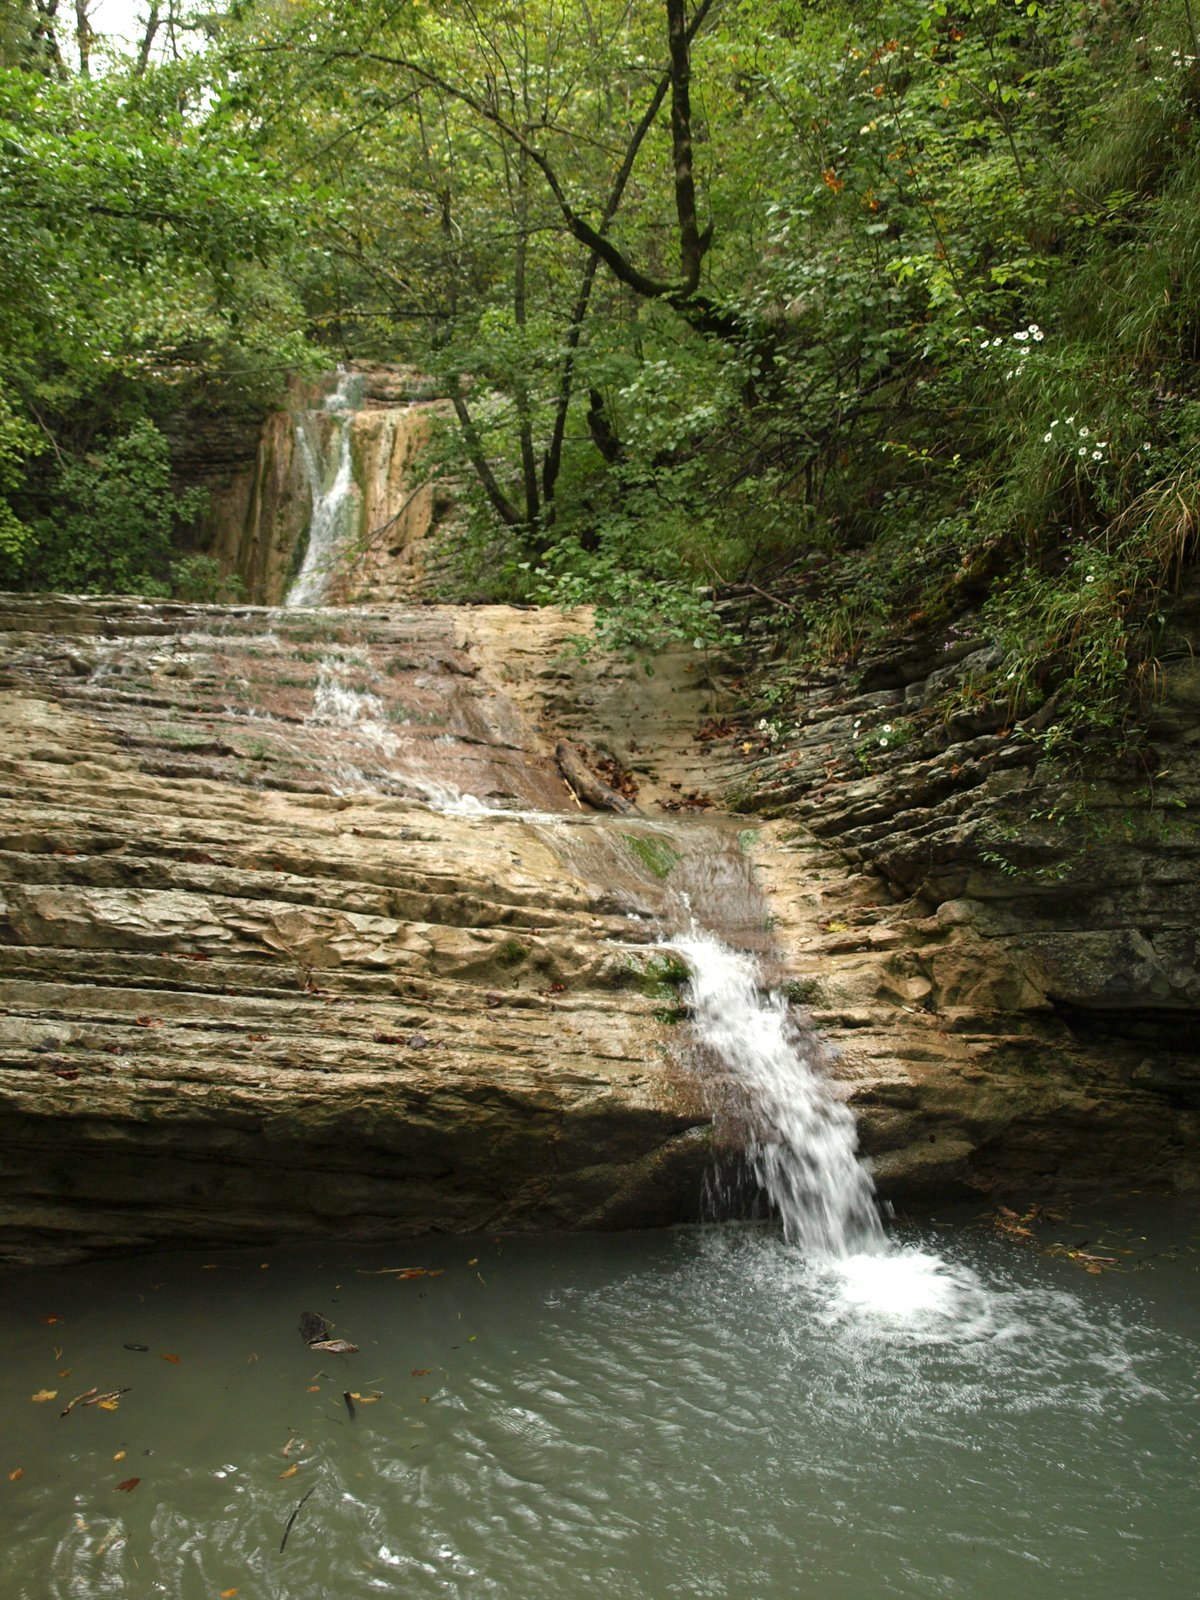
<point>254,986</point>
<point>292,943</point>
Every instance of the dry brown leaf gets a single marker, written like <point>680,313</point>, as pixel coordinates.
<point>174,1360</point>
<point>16,1474</point>
<point>43,1394</point>
<point>421,1372</point>
<point>129,1485</point>
<point>291,1471</point>
<point>65,1373</point>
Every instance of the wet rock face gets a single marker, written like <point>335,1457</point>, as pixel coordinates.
<point>1006,956</point>
<point>253,987</point>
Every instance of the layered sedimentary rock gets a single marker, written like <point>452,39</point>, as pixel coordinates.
<point>1002,943</point>
<point>303,934</point>
<point>254,986</point>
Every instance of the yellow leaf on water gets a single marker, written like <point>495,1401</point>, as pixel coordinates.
<point>291,1471</point>
<point>17,1474</point>
<point>120,1456</point>
<point>313,1388</point>
<point>65,1373</point>
<point>228,1594</point>
<point>108,1405</point>
<point>174,1360</point>
<point>43,1394</point>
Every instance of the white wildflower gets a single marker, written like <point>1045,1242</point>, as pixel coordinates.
<point>1097,455</point>
<point>1047,438</point>
<point>1084,432</point>
<point>883,744</point>
<point>1020,336</point>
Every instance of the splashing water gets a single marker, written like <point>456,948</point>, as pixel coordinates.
<point>800,1141</point>
<point>335,494</point>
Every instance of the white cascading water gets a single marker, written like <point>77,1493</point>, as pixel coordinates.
<point>801,1141</point>
<point>329,468</point>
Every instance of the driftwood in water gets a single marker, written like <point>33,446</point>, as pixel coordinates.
<point>584,782</point>
<point>292,1519</point>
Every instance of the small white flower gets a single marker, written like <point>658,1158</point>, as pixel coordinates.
<point>1021,336</point>
<point>1083,449</point>
<point>1145,447</point>
<point>1033,328</point>
<point>887,727</point>
<point>1009,676</point>
<point>1054,424</point>
<point>985,344</point>
<point>1009,373</point>
<point>883,744</point>
<point>1083,432</point>
<point>1068,420</point>
<point>1097,455</point>
<point>1089,579</point>
<point>1047,438</point>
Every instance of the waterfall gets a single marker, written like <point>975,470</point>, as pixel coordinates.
<point>324,440</point>
<point>800,1141</point>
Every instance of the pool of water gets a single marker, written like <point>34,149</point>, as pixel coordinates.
<point>698,1412</point>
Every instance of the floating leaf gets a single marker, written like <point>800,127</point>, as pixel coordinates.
<point>174,1360</point>
<point>291,1471</point>
<point>420,1372</point>
<point>128,1485</point>
<point>228,1594</point>
<point>16,1474</point>
<point>474,1261</point>
<point>65,1373</point>
<point>107,1405</point>
<point>120,1455</point>
<point>53,1317</point>
<point>43,1394</point>
<point>365,1399</point>
<point>313,1388</point>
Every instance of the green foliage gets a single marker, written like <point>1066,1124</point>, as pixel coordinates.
<point>114,521</point>
<point>139,255</point>
<point>199,578</point>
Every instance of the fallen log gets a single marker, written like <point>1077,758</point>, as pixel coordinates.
<point>584,783</point>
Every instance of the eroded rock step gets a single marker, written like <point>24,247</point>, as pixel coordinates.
<point>238,1007</point>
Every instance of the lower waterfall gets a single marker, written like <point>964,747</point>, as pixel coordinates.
<point>800,1139</point>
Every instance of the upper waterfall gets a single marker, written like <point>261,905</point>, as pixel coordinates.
<point>336,498</point>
